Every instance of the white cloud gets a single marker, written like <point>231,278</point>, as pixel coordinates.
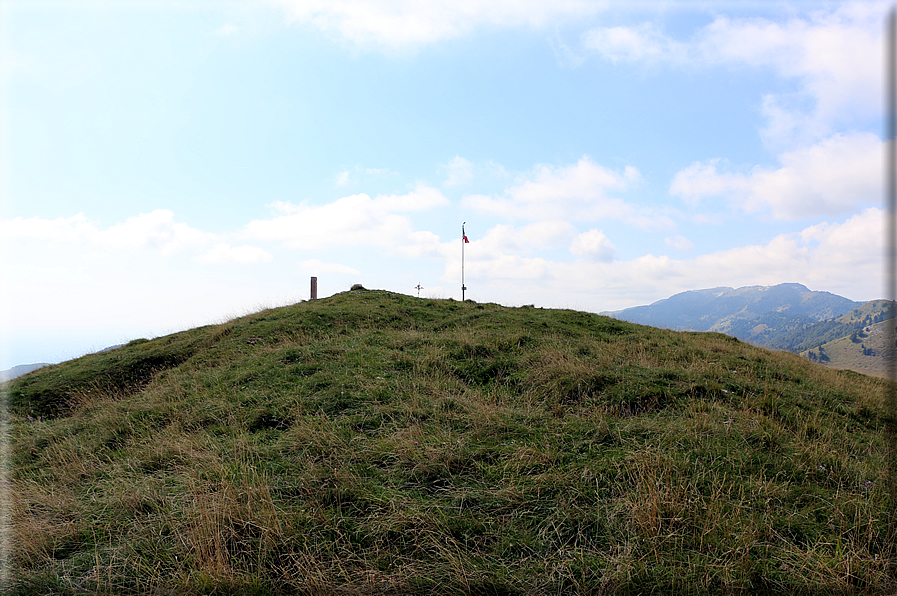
<point>225,253</point>
<point>226,30</point>
<point>585,181</point>
<point>496,170</point>
<point>342,178</point>
<point>349,221</point>
<point>845,258</point>
<point>409,23</point>
<point>787,122</point>
<point>503,238</point>
<point>508,267</point>
<point>644,43</point>
<point>834,54</point>
<point>593,245</point>
<point>348,176</point>
<point>566,56</point>
<point>316,266</point>
<point>858,242</point>
<point>378,171</point>
<point>702,179</point>
<point>421,199</point>
<point>156,231</point>
<point>575,193</point>
<point>832,177</point>
<point>679,242</point>
<point>460,171</point>
<point>54,231</point>
<point>422,244</point>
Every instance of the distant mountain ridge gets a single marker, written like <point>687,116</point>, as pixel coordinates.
<point>18,371</point>
<point>787,316</point>
<point>747,313</point>
<point>23,369</point>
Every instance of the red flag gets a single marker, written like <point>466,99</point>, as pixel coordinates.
<point>464,236</point>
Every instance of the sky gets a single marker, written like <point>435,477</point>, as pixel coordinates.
<point>165,165</point>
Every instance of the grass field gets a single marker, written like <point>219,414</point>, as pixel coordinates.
<point>376,443</point>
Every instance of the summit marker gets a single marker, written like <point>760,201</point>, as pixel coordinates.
<point>464,241</point>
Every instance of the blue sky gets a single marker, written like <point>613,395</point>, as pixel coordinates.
<point>171,164</point>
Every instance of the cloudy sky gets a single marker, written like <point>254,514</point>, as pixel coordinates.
<point>171,164</point>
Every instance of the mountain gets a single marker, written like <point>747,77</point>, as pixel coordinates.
<point>24,369</point>
<point>377,443</point>
<point>818,325</point>
<point>759,314</point>
<point>18,371</point>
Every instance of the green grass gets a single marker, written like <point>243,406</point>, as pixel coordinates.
<point>378,443</point>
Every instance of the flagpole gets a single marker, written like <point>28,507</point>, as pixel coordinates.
<point>463,287</point>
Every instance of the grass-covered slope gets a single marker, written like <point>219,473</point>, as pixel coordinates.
<point>869,350</point>
<point>378,443</point>
<point>813,336</point>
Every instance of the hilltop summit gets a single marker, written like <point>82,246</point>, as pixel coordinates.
<point>373,442</point>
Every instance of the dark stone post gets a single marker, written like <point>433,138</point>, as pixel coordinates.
<point>314,288</point>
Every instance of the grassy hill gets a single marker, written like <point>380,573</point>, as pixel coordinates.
<point>377,443</point>
<point>818,334</point>
<point>870,312</point>
<point>869,349</point>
